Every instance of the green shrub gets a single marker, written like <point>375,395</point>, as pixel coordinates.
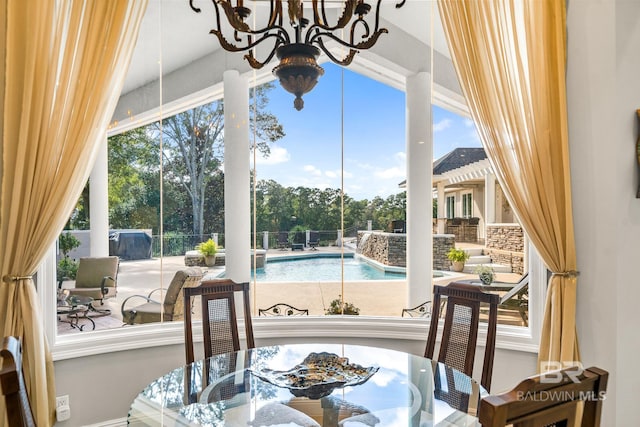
<point>208,248</point>
<point>335,307</point>
<point>457,255</point>
<point>67,269</point>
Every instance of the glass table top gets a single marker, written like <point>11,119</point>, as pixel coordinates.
<point>310,385</point>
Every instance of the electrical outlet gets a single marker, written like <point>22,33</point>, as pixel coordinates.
<point>63,412</point>
<point>62,401</point>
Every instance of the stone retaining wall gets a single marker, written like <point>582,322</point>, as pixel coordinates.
<point>195,259</point>
<point>505,245</point>
<point>442,244</point>
<point>391,248</point>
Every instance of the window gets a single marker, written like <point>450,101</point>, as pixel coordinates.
<point>451,206</point>
<point>149,195</point>
<point>467,205</point>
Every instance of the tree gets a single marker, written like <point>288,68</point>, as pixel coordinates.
<point>133,180</point>
<point>193,146</point>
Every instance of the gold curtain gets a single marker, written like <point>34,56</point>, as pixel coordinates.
<point>510,56</point>
<point>63,70</point>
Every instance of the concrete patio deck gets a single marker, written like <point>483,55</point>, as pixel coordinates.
<point>373,297</point>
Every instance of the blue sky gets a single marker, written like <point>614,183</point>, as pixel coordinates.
<point>374,136</point>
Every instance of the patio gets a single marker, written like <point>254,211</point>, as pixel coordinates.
<point>374,298</point>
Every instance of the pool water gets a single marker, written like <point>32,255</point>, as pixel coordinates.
<point>321,269</point>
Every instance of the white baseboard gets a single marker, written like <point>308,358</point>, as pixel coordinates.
<point>120,422</point>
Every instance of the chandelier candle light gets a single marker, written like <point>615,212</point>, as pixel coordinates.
<point>298,70</point>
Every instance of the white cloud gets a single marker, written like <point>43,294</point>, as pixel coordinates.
<point>337,173</point>
<point>396,171</point>
<point>360,165</point>
<point>312,170</point>
<point>469,123</point>
<point>278,155</point>
<point>390,173</point>
<point>442,125</point>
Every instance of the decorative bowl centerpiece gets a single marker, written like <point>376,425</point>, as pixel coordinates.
<point>318,375</point>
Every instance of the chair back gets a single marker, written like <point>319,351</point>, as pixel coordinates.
<point>219,321</point>
<point>314,239</point>
<point>12,382</point>
<point>174,298</point>
<point>460,332</point>
<point>283,239</point>
<point>550,399</point>
<point>98,272</point>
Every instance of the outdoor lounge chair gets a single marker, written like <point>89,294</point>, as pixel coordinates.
<point>283,240</point>
<point>97,278</point>
<point>517,298</point>
<point>151,310</point>
<point>314,240</point>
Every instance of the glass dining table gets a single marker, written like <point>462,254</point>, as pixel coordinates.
<point>310,385</point>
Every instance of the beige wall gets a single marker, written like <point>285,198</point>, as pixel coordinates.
<point>604,89</point>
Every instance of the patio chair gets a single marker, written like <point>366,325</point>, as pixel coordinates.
<point>460,332</point>
<point>549,399</point>
<point>97,278</point>
<point>421,310</point>
<point>282,309</point>
<point>314,240</point>
<point>517,298</point>
<point>219,322</point>
<point>17,405</point>
<point>172,309</point>
<point>283,240</point>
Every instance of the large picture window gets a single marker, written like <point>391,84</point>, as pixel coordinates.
<point>324,180</point>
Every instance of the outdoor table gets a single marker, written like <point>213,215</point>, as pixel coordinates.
<point>248,388</point>
<point>75,307</point>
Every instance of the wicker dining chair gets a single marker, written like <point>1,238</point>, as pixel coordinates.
<point>219,321</point>
<point>460,331</point>
<point>12,382</point>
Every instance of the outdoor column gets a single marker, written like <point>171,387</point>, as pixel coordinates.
<point>419,189</point>
<point>441,208</point>
<point>236,177</point>
<point>489,202</point>
<point>99,203</point>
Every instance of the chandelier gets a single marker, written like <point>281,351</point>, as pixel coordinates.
<point>298,70</point>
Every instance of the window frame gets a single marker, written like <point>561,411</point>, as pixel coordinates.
<point>450,203</point>
<point>467,204</point>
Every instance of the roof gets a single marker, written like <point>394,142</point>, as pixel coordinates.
<point>455,159</point>
<point>458,158</point>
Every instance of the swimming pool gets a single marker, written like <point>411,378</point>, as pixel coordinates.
<point>321,269</point>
